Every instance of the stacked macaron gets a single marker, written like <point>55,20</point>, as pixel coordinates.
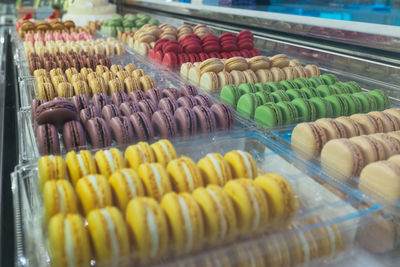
<point>139,116</point>
<point>215,73</point>
<point>310,138</point>
<point>129,22</point>
<point>28,26</point>
<point>193,48</point>
<point>158,200</point>
<point>92,47</point>
<point>57,37</point>
<point>293,101</point>
<point>90,80</point>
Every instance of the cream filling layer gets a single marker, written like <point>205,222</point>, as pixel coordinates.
<point>69,243</point>
<point>128,179</point>
<point>52,159</point>
<point>306,248</point>
<point>153,228</point>
<point>247,163</point>
<point>61,197</point>
<point>221,212</point>
<point>142,152</point>
<point>188,224</point>
<point>188,175</point>
<point>157,176</point>
<point>256,221</point>
<point>251,258</point>
<point>114,241</point>
<point>217,168</point>
<point>332,239</point>
<point>110,160</point>
<point>93,180</point>
<point>165,148</point>
<point>81,164</point>
<point>278,249</point>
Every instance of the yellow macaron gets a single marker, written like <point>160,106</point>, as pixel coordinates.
<point>185,222</point>
<point>125,185</point>
<point>68,241</point>
<point>218,212</point>
<point>164,151</point>
<point>250,255</point>
<point>147,226</point>
<point>51,168</point>
<point>109,235</point>
<point>303,247</point>
<point>250,205</point>
<point>80,164</point>
<point>242,164</point>
<point>109,161</point>
<point>58,197</point>
<point>155,180</point>
<point>185,175</point>
<point>277,252</point>
<point>94,192</point>
<point>138,154</point>
<point>215,169</point>
<point>329,239</point>
<point>280,197</point>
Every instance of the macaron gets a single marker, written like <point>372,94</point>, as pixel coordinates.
<point>224,116</point>
<point>218,213</point>
<point>242,164</point>
<point>264,97</point>
<point>98,132</point>
<point>308,139</point>
<point>353,86</point>
<point>122,130</point>
<point>352,127</point>
<point>109,161</point>
<point>168,104</point>
<point>68,241</point>
<point>306,109</point>
<point>339,104</point>
<point>109,235</point>
<point>310,92</point>
<point>184,175</point>
<point>47,139</point>
<point>51,168</point>
<point>353,102</point>
<point>185,221</point>
<point>382,100</point>
<point>164,124</point>
<point>329,78</point>
<point>367,122</point>
<point>186,121</point>
<point>323,107</point>
<point>325,90</point>
<point>148,228</point>
<point>206,122</point>
<point>280,95</point>
<point>247,104</point>
<point>230,94</point>
<point>142,126</point>
<point>368,102</point>
<point>296,93</point>
<point>155,179</point>
<point>333,128</point>
<point>164,151</point>
<point>268,114</point>
<point>289,84</point>
<point>94,192</point>
<point>289,112</point>
<point>140,153</point>
<point>215,169</point>
<point>250,204</point>
<point>275,86</point>
<point>80,164</point>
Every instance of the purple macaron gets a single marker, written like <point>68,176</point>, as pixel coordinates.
<point>55,112</point>
<point>147,106</point>
<point>119,97</point>
<point>186,121</point>
<point>128,108</point>
<point>223,115</point>
<point>100,100</point>
<point>74,135</point>
<point>88,113</point>
<point>122,130</point>
<point>188,89</point>
<point>47,139</point>
<point>187,101</point>
<point>142,126</point>
<point>35,104</point>
<point>99,133</point>
<point>205,119</point>
<point>203,100</point>
<point>168,104</point>
<point>80,101</point>
<point>154,94</point>
<point>110,111</point>
<point>136,96</point>
<point>164,124</point>
<point>171,92</point>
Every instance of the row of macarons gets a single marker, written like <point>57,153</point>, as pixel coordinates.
<point>57,36</point>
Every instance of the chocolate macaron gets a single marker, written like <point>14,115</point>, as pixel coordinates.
<point>47,139</point>
<point>56,112</point>
<point>99,132</point>
<point>186,121</point>
<point>223,115</point>
<point>122,130</point>
<point>142,126</point>
<point>164,124</point>
<point>74,135</point>
<point>205,119</point>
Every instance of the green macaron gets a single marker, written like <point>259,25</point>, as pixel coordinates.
<point>325,90</point>
<point>275,86</point>
<point>381,98</point>
<point>264,97</point>
<point>368,102</point>
<point>246,88</point>
<point>263,87</point>
<point>354,104</point>
<point>280,95</point>
<point>323,107</point>
<point>305,109</point>
<point>268,114</point>
<point>230,95</point>
<point>296,93</point>
<point>310,92</point>
<point>303,82</point>
<point>289,112</point>
<point>339,88</point>
<point>339,105</point>
<point>316,81</point>
<point>247,104</point>
<point>329,78</point>
<point>353,86</point>
<point>289,84</point>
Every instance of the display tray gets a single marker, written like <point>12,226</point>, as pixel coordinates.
<point>318,208</point>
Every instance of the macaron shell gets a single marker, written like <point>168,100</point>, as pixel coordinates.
<point>184,175</point>
<point>308,139</point>
<point>109,161</point>
<point>164,152</point>
<point>138,154</point>
<point>80,165</point>
<point>50,168</point>
<point>155,179</point>
<point>242,164</point>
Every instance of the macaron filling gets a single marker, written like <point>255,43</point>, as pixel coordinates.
<point>110,160</point>
<point>188,224</point>
<point>217,167</point>
<point>144,158</point>
<point>277,249</point>
<point>157,177</point>
<point>81,164</point>
<point>61,199</point>
<point>152,223</point>
<point>69,243</point>
<point>188,175</point>
<point>331,238</point>
<point>249,169</point>
<point>111,231</point>
<point>306,247</point>
<point>252,195</point>
<point>224,225</point>
<point>93,180</point>
<point>132,188</point>
<point>165,148</point>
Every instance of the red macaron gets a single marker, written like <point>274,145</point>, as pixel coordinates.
<point>246,53</point>
<point>203,56</point>
<point>191,47</point>
<point>194,58</point>
<point>172,46</point>
<point>159,55</point>
<point>170,60</point>
<point>158,45</point>
<point>214,55</point>
<point>225,55</point>
<point>235,54</point>
<point>183,58</point>
<point>245,35</point>
<point>255,52</point>
<point>245,44</point>
<point>151,54</point>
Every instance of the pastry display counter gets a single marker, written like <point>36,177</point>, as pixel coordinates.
<point>83,105</point>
